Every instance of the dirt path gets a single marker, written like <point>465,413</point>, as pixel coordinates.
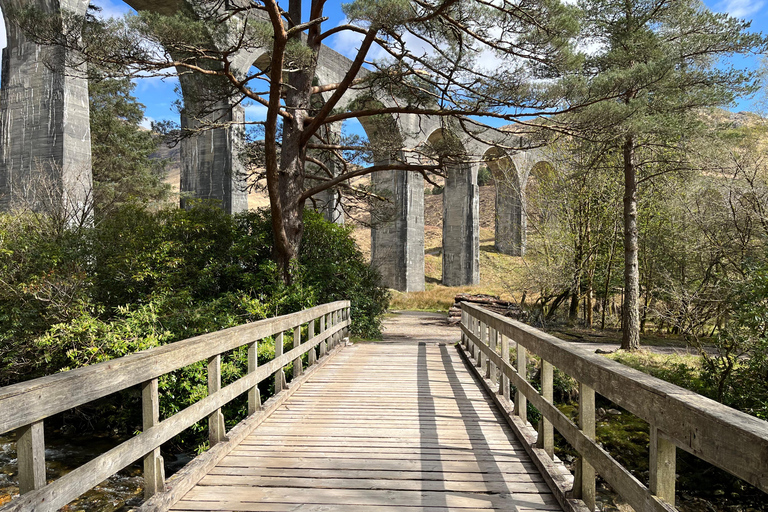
<point>415,326</point>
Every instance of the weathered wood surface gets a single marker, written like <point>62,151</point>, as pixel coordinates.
<point>381,428</point>
<point>732,440</point>
<point>41,497</point>
<point>28,402</point>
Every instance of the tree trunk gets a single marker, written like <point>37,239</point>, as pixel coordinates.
<point>287,216</point>
<point>630,339</point>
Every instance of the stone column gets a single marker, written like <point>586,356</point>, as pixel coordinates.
<point>211,165</point>
<point>397,242</point>
<point>461,225</point>
<point>45,137</point>
<point>510,218</point>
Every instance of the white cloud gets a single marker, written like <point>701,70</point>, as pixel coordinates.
<point>740,8</point>
<point>255,112</point>
<point>147,123</point>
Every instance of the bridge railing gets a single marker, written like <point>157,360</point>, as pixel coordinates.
<point>731,440</point>
<point>25,406</point>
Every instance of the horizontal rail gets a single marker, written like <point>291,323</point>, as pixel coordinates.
<point>734,441</point>
<point>60,492</point>
<point>28,402</point>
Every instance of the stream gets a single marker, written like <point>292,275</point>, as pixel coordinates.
<point>119,493</point>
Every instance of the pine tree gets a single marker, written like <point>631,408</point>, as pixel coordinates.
<point>659,63</point>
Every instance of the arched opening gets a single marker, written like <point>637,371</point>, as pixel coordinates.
<point>509,221</point>
<point>397,220</point>
<point>540,206</point>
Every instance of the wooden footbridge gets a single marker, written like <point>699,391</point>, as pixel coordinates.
<point>408,426</point>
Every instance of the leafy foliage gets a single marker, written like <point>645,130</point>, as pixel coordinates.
<point>139,279</point>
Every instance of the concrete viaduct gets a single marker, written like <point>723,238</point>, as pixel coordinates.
<point>45,144</point>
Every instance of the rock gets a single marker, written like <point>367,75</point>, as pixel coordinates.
<point>613,412</point>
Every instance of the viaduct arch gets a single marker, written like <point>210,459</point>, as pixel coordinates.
<point>45,141</point>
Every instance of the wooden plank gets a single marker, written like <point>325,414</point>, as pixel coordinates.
<point>662,465</point>
<point>254,395</point>
<point>30,451</point>
<point>32,401</point>
<point>362,482</point>
<point>584,479</point>
<point>216,428</point>
<point>622,481</point>
<point>256,472</point>
<point>372,497</point>
<point>87,476</point>
<point>720,435</point>
<point>154,469</point>
<point>389,442</point>
<point>186,478</point>
<point>556,475</point>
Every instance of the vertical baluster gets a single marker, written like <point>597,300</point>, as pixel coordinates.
<point>297,363</point>
<point>254,395</point>
<point>154,470</point>
<point>482,359</point>
<point>493,343</point>
<point>463,323</point>
<point>311,334</point>
<point>503,379</point>
<point>584,483</point>
<point>334,322</point>
<point>663,465</point>
<point>30,451</point>
<point>216,429</point>
<point>488,331</point>
<point>521,402</point>
<point>279,374</point>
<point>476,330</point>
<point>347,317</point>
<point>323,344</point>
<point>546,438</point>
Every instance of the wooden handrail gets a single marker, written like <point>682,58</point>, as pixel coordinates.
<point>732,440</point>
<point>24,406</point>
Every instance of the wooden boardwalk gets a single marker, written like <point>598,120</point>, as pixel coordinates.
<point>382,427</point>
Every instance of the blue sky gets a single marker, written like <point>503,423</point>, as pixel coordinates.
<point>158,95</point>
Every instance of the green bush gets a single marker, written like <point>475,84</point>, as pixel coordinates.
<point>139,279</point>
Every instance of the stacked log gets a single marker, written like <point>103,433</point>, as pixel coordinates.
<point>490,302</point>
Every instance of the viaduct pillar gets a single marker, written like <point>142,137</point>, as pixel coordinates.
<point>397,243</point>
<point>461,225</point>
<point>45,138</point>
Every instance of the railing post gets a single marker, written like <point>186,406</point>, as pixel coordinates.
<point>347,314</point>
<point>334,322</point>
<point>254,395</point>
<point>503,379</point>
<point>584,482</point>
<point>482,360</point>
<point>311,334</point>
<point>30,451</point>
<point>280,383</point>
<point>216,429</point>
<point>323,344</point>
<point>297,364</point>
<point>521,402</point>
<point>463,322</point>
<point>546,439</point>
<point>662,467</point>
<point>154,470</point>
<point>493,343</point>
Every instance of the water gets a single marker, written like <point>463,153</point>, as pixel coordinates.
<point>120,493</point>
